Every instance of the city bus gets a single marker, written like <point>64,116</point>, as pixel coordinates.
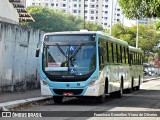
<point>136,67</point>
<point>87,63</point>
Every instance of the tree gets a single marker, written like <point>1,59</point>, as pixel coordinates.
<point>93,27</point>
<point>140,8</point>
<point>148,36</point>
<point>50,20</point>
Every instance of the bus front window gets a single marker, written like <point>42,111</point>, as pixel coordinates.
<point>69,59</point>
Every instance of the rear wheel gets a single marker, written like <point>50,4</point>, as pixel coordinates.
<point>119,93</point>
<point>128,90</point>
<point>139,82</point>
<point>57,99</point>
<point>132,84</point>
<point>101,99</point>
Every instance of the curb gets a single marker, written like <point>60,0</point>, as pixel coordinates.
<point>6,106</point>
<point>149,79</point>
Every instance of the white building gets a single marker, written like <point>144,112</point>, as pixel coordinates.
<point>97,11</point>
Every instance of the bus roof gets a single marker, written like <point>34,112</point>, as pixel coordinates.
<point>133,49</point>
<point>112,39</point>
<point>71,32</point>
<point>99,33</point>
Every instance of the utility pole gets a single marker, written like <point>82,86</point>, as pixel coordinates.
<point>111,17</point>
<point>84,15</point>
<point>137,35</point>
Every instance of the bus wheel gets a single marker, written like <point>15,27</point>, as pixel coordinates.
<point>132,84</point>
<point>57,99</point>
<point>101,99</point>
<point>128,90</point>
<point>118,94</point>
<point>138,87</point>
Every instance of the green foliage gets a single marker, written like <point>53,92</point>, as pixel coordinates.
<point>158,26</point>
<point>50,20</point>
<point>140,8</point>
<point>148,37</point>
<point>93,27</point>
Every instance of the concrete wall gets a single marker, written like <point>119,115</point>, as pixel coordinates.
<point>18,64</point>
<point>7,12</point>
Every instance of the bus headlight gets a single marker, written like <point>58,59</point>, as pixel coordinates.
<point>44,82</point>
<point>93,81</point>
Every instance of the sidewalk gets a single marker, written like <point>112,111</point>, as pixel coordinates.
<point>9,100</point>
<point>16,99</point>
<point>6,97</point>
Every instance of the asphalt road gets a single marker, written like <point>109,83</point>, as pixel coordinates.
<point>147,99</point>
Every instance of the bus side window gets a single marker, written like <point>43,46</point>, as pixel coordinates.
<point>101,56</point>
<point>107,51</point>
<point>131,58</point>
<point>115,53</point>
<point>124,55</point>
<point>121,54</point>
<point>127,55</point>
<point>110,52</point>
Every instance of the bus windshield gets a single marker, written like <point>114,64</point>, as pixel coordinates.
<point>64,59</point>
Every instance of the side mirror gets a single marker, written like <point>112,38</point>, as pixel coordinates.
<point>37,52</point>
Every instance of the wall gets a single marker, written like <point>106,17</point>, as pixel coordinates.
<point>7,12</point>
<point>18,64</point>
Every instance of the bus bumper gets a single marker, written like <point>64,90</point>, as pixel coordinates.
<point>94,90</point>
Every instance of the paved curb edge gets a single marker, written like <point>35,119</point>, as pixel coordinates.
<point>17,103</point>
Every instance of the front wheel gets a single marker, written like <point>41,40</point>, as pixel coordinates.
<point>101,99</point>
<point>118,94</point>
<point>139,82</point>
<point>57,99</point>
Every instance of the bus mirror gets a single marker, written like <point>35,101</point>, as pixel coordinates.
<point>37,52</point>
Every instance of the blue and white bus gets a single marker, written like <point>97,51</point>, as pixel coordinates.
<point>87,63</point>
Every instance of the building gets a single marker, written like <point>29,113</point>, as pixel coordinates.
<point>12,11</point>
<point>97,11</point>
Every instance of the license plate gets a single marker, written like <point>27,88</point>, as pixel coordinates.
<point>68,93</point>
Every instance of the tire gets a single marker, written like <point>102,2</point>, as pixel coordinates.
<point>119,93</point>
<point>138,87</point>
<point>101,99</point>
<point>132,84</point>
<point>129,90</point>
<point>57,99</point>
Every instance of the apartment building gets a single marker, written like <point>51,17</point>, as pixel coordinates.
<point>97,11</point>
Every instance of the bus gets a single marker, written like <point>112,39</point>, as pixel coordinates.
<point>136,67</point>
<point>87,63</point>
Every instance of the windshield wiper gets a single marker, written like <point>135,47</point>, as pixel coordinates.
<point>76,51</point>
<point>60,49</point>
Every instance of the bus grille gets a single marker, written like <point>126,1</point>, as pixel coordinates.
<point>74,91</point>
